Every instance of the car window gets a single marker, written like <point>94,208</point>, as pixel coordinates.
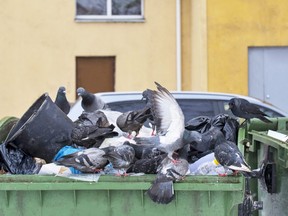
<point>191,107</point>
<point>124,106</point>
<point>269,112</point>
<point>196,107</point>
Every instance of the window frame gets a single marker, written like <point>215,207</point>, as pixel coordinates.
<point>109,17</point>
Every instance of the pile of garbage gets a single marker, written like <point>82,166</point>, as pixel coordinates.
<point>41,139</point>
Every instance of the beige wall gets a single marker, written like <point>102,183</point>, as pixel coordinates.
<point>235,25</point>
<point>40,40</point>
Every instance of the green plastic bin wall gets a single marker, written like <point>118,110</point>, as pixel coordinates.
<point>111,195</point>
<point>275,153</point>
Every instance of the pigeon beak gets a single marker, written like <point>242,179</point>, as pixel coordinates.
<point>227,107</point>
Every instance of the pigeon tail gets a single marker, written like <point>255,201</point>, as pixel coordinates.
<point>264,119</point>
<point>161,190</point>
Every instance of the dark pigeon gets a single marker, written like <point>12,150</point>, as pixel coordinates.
<point>61,100</point>
<point>147,165</point>
<point>133,120</point>
<point>87,161</point>
<point>90,102</point>
<point>244,109</point>
<point>145,151</point>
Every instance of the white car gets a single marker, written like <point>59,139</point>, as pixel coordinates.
<point>193,104</point>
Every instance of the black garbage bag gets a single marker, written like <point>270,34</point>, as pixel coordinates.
<point>230,129</point>
<point>202,142</point>
<point>219,120</point>
<point>16,162</point>
<point>200,124</point>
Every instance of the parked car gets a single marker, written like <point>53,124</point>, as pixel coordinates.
<point>193,104</point>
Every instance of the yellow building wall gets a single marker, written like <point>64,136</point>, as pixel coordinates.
<point>39,41</point>
<point>235,25</point>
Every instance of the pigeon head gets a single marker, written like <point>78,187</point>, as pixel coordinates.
<point>232,103</point>
<point>80,91</point>
<point>62,89</point>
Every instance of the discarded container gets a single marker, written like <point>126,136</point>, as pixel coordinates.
<point>42,131</point>
<point>111,195</point>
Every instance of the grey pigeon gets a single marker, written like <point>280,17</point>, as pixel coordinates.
<point>229,156</point>
<point>90,102</point>
<point>61,100</point>
<point>121,157</point>
<point>244,109</point>
<point>88,160</point>
<point>147,165</point>
<point>92,135</point>
<point>162,190</point>
<point>145,151</point>
<point>133,120</point>
<point>147,96</point>
<point>169,121</point>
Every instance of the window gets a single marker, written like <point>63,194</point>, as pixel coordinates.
<point>109,10</point>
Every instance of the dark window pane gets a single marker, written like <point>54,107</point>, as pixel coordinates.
<point>270,113</point>
<point>125,106</point>
<point>91,7</point>
<point>126,7</point>
<point>195,108</point>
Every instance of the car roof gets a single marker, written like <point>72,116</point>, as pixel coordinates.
<point>109,97</point>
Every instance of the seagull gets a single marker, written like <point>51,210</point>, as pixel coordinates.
<point>133,120</point>
<point>61,100</point>
<point>244,109</point>
<point>88,160</point>
<point>90,102</point>
<point>169,120</point>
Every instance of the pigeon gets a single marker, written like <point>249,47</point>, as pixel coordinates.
<point>162,190</point>
<point>145,151</point>
<point>90,102</point>
<point>92,135</point>
<point>244,109</point>
<point>169,120</point>
<point>133,120</point>
<point>121,157</point>
<point>229,156</point>
<point>61,100</point>
<point>147,95</point>
<point>89,160</point>
<point>147,165</point>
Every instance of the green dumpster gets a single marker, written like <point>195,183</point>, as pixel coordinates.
<point>271,153</point>
<point>196,195</point>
